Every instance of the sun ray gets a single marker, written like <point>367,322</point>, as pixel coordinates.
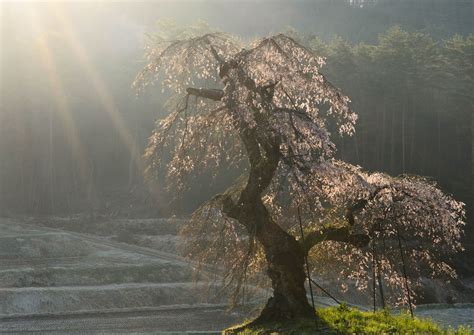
<point>62,110</point>
<point>106,98</point>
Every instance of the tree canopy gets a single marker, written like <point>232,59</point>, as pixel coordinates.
<point>269,106</point>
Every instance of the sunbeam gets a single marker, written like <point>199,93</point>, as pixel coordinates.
<point>106,98</point>
<point>62,109</point>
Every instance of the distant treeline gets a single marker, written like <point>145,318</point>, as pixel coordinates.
<point>353,20</point>
<point>414,97</point>
<point>415,101</point>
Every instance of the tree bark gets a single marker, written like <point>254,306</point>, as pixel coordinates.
<point>284,255</point>
<point>285,262</point>
<point>206,93</point>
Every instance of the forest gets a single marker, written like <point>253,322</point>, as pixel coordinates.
<point>76,129</point>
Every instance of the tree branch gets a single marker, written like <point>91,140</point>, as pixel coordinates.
<point>206,93</point>
<point>353,209</point>
<point>339,234</point>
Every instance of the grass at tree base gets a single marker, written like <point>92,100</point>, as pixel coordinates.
<point>345,320</point>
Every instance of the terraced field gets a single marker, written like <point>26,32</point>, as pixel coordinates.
<point>64,282</point>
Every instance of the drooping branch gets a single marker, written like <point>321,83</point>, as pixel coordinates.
<point>206,93</point>
<point>342,234</point>
<point>352,210</point>
<point>332,233</point>
<point>360,204</point>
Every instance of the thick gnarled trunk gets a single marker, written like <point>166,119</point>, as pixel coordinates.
<point>285,261</point>
<point>284,255</point>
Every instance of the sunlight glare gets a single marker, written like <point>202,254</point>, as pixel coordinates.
<point>98,83</point>
<point>62,109</point>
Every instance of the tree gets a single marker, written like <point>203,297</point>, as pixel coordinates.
<point>272,109</point>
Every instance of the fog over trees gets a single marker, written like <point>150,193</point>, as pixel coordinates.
<point>72,131</point>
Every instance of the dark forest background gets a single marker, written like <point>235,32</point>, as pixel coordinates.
<point>72,130</point>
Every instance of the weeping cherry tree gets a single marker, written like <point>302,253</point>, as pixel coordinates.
<point>269,107</point>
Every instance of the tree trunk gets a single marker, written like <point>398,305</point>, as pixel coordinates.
<point>285,261</point>
<point>284,255</point>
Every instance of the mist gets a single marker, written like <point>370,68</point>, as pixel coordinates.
<point>73,130</point>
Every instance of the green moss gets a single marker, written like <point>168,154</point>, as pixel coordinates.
<point>345,320</point>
